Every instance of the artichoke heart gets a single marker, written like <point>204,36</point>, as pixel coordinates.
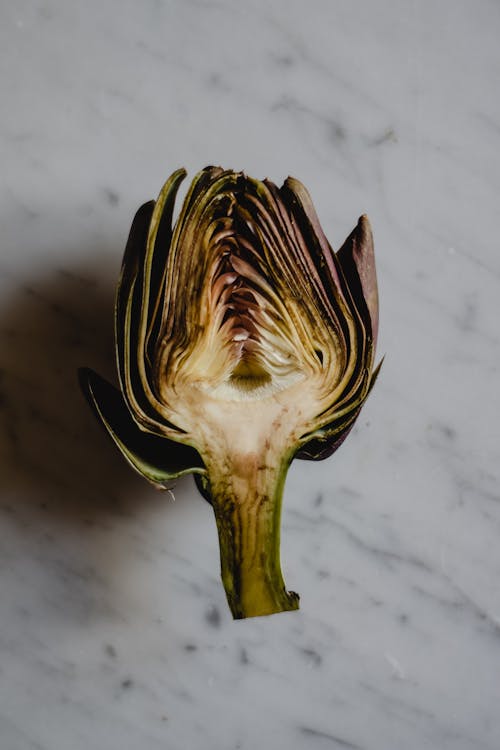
<point>242,341</point>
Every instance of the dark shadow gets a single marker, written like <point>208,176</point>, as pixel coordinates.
<point>62,480</point>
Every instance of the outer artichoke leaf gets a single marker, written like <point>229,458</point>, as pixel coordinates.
<point>133,262</point>
<point>357,260</point>
<point>324,442</point>
<point>129,348</point>
<point>375,375</point>
<point>133,259</point>
<point>321,447</point>
<point>306,222</point>
<point>203,486</point>
<point>139,297</point>
<point>157,459</point>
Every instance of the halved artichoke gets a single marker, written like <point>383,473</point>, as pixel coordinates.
<point>242,341</point>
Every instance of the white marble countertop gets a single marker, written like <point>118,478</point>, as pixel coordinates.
<point>114,629</point>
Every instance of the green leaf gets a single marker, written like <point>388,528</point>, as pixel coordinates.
<point>157,459</point>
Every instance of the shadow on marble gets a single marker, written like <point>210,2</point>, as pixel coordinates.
<point>66,493</point>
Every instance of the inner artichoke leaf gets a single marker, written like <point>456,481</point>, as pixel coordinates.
<point>241,318</point>
<point>158,459</point>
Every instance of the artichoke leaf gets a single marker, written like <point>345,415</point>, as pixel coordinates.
<point>357,260</point>
<point>158,459</point>
<point>203,485</point>
<point>323,443</point>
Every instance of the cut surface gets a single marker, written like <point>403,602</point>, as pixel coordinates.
<point>243,337</point>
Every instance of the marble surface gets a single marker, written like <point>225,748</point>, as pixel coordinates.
<point>114,630</point>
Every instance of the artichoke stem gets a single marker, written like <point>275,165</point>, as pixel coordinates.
<point>247,507</point>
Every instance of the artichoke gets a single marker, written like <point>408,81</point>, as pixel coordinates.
<point>242,342</point>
